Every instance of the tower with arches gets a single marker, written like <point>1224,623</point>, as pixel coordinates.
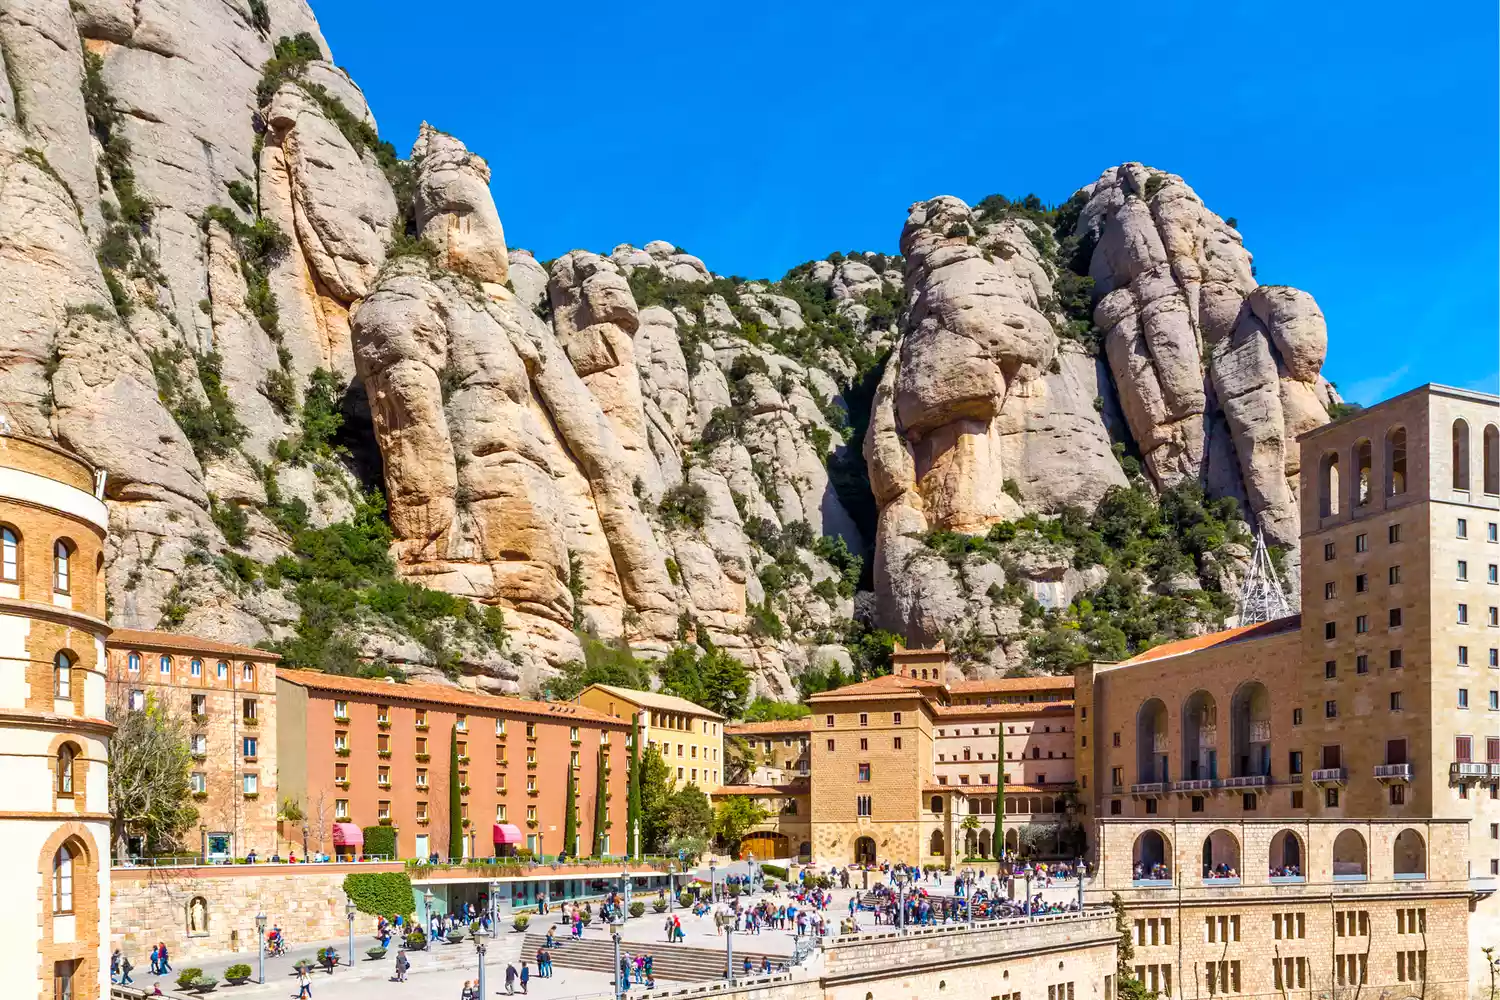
<point>54,736</point>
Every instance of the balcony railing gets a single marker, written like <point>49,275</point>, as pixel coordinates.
<point>1260,732</point>
<point>1393,773</point>
<point>1244,782</point>
<point>1330,776</point>
<point>1194,786</point>
<point>1463,770</point>
<point>1149,788</point>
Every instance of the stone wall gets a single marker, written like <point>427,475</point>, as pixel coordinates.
<point>154,904</point>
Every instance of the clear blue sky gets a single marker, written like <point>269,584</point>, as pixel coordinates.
<point>1355,143</point>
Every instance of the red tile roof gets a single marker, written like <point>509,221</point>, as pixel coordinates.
<point>442,694</point>
<point>1024,708</point>
<point>886,685</point>
<point>795,788</point>
<point>779,727</point>
<point>177,642</point>
<point>1001,685</point>
<point>1243,633</point>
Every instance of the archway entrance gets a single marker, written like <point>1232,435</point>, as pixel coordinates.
<point>864,851</point>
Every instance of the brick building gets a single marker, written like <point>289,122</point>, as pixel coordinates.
<point>54,737</point>
<point>357,753</point>
<point>228,695</point>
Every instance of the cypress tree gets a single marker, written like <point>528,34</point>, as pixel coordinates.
<point>1000,800</point>
<point>601,808</point>
<point>633,806</point>
<point>455,800</point>
<point>570,819</point>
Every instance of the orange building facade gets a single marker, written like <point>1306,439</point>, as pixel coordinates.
<point>356,753</point>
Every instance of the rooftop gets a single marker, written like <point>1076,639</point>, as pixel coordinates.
<point>179,643</point>
<point>886,686</point>
<point>1022,709</point>
<point>1005,685</point>
<point>442,694</point>
<point>1244,633</point>
<point>777,728</point>
<point>654,699</point>
<point>791,788</point>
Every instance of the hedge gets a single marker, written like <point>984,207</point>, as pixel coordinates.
<point>380,840</point>
<point>775,871</point>
<point>380,893</point>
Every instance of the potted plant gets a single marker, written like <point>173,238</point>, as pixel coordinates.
<point>456,935</point>
<point>659,905</point>
<point>187,977</point>
<point>238,975</point>
<point>685,899</point>
<point>520,920</point>
<point>638,908</point>
<point>204,984</point>
<point>416,940</point>
<point>376,953</point>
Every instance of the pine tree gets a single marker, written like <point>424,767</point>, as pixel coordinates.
<point>601,808</point>
<point>455,801</point>
<point>633,820</point>
<point>570,818</point>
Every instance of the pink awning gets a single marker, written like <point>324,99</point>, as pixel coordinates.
<point>507,833</point>
<point>348,835</point>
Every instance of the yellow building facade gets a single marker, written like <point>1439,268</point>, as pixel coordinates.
<point>689,737</point>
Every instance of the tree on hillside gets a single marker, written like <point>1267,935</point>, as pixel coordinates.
<point>740,760</point>
<point>763,709</point>
<point>455,800</point>
<point>711,678</point>
<point>601,808</point>
<point>689,813</point>
<point>602,663</point>
<point>656,790</point>
<point>150,790</point>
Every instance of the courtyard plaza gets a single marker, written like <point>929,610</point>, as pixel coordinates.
<point>441,971</point>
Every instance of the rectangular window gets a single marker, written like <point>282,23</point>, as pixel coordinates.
<point>1494,616</point>
<point>1330,668</point>
<point>252,784</point>
<point>864,743</point>
<point>828,721</point>
<point>1463,656</point>
<point>1362,664</point>
<point>1395,701</point>
<point>1492,573</point>
<point>198,781</point>
<point>1294,762</point>
<point>341,808</point>
<point>1494,657</point>
<point>1393,575</point>
<point>1494,701</point>
<point>1463,614</point>
<point>1492,533</point>
<point>1331,798</point>
<point>1398,795</point>
<point>65,973</point>
<point>862,805</point>
<point>1463,569</point>
<point>1361,543</point>
<point>250,747</point>
<point>1462,748</point>
<point>1393,534</point>
<point>1296,716</point>
<point>1328,551</point>
<point>1463,697</point>
<point>896,718</point>
<point>1328,591</point>
<point>1461,529</point>
<point>1361,624</point>
<point>1297,800</point>
<point>1361,583</point>
<point>864,718</point>
<point>1115,739</point>
<point>830,746</point>
<point>864,772</point>
<point>1330,709</point>
<point>1330,630</point>
<point>896,743</point>
<point>1396,660</point>
<point>1393,618</point>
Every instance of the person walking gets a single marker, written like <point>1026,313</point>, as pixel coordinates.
<point>125,968</point>
<point>155,962</point>
<point>510,979</point>
<point>114,967</point>
<point>166,966</point>
<point>669,927</point>
<point>525,977</point>
<point>304,983</point>
<point>402,964</point>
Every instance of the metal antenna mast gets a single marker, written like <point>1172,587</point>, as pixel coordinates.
<point>1261,597</point>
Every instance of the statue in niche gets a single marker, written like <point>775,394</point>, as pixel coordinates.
<point>198,916</point>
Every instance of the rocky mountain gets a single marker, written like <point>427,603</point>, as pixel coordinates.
<point>342,416</point>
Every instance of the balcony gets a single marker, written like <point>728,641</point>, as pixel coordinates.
<point>1195,786</point>
<point>250,720</point>
<point>1462,771</point>
<point>1393,774</point>
<point>383,753</point>
<point>1330,776</point>
<point>1246,783</point>
<point>1149,789</point>
<point>423,758</point>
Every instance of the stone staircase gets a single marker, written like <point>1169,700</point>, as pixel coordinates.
<point>678,963</point>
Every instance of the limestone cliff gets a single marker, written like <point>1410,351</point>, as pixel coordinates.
<point>342,415</point>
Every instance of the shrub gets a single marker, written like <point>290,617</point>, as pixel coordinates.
<point>775,871</point>
<point>381,893</point>
<point>416,940</point>
<point>205,984</point>
<point>685,899</point>
<point>638,908</point>
<point>240,971</point>
<point>380,840</point>
<point>659,905</point>
<point>187,977</point>
<point>520,920</point>
<point>456,935</point>
<point>376,953</point>
<point>684,505</point>
<point>734,889</point>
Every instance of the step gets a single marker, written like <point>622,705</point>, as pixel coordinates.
<point>676,963</point>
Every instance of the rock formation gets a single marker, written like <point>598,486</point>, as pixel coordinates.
<point>226,290</point>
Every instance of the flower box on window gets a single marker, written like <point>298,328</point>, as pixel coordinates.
<point>463,789</point>
<point>531,823</point>
<point>341,782</point>
<point>340,718</point>
<point>421,727</point>
<point>531,764</point>
<point>199,754</point>
<point>341,751</point>
<point>422,821</point>
<point>250,720</point>
<point>252,795</point>
<point>382,753</point>
<point>463,758</point>
<point>465,822</point>
<point>384,723</point>
<point>199,718</point>
<point>200,796</point>
<point>533,792</point>
<point>424,757</point>
<point>385,821</point>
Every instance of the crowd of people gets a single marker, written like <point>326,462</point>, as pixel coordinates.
<point>1157,871</point>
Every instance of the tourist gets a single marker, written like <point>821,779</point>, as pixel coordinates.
<point>510,979</point>
<point>155,960</point>
<point>467,993</point>
<point>304,983</point>
<point>114,967</point>
<point>668,927</point>
<point>125,968</point>
<point>402,964</point>
<point>525,976</point>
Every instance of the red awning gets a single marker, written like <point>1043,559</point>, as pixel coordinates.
<point>348,835</point>
<point>507,833</point>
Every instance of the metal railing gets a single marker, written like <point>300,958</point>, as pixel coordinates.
<point>1330,775</point>
<point>519,867</point>
<point>1247,781</point>
<point>1464,770</point>
<point>1397,772</point>
<point>1148,788</point>
<point>211,861</point>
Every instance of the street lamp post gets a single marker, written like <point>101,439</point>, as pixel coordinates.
<point>900,879</point>
<point>671,886</point>
<point>729,949</point>
<point>304,842</point>
<point>480,948</point>
<point>1078,870</point>
<point>260,938</point>
<point>349,915</point>
<point>713,883</point>
<point>494,912</point>
<point>426,913</point>
<point>1028,892</point>
<point>614,932</point>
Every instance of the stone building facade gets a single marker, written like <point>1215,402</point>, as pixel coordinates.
<point>227,694</point>
<point>54,733</point>
<point>361,753</point>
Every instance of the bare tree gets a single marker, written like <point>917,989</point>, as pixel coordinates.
<point>150,767</point>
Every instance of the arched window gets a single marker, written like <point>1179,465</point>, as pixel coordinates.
<point>1286,856</point>
<point>1361,485</point>
<point>935,844</point>
<point>10,555</point>
<point>1410,855</point>
<point>1491,459</point>
<point>166,663</point>
<point>223,670</point>
<point>62,881</point>
<point>62,676</point>
<point>1328,485</point>
<point>1150,855</point>
<point>133,661</point>
<point>66,754</point>
<point>1395,461</point>
<point>62,556</point>
<point>248,673</point>
<point>1151,742</point>
<point>1349,857</point>
<point>1461,455</point>
<point>1221,855</point>
<point>197,668</point>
